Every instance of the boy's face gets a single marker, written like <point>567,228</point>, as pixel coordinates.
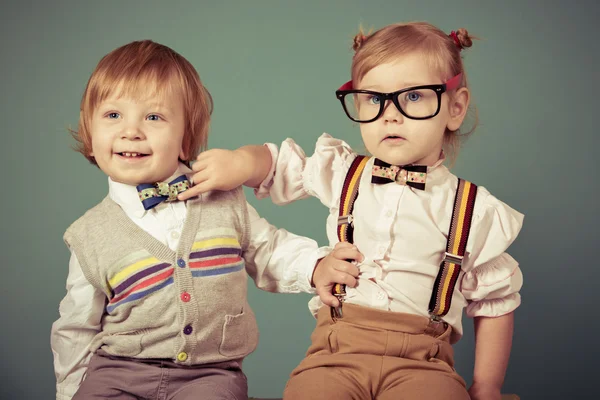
<point>138,140</point>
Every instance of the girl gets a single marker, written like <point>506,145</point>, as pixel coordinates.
<point>433,244</point>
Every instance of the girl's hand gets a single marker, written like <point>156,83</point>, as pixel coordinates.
<point>484,392</point>
<point>218,169</point>
<point>335,268</point>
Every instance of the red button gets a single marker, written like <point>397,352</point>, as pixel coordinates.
<point>185,297</point>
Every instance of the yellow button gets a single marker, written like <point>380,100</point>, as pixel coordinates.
<point>182,356</point>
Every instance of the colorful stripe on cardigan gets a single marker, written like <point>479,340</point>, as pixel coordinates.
<point>143,274</point>
<point>216,256</point>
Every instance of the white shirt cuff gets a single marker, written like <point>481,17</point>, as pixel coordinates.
<point>263,190</point>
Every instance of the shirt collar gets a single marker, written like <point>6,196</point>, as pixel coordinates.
<point>437,172</point>
<point>126,196</point>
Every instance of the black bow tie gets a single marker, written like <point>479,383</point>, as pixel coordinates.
<point>410,175</point>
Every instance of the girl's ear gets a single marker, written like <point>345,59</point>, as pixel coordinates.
<point>459,104</point>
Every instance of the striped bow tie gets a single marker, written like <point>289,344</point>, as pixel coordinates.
<point>409,175</point>
<point>153,194</point>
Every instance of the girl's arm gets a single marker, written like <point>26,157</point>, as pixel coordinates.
<point>493,341</point>
<point>285,173</point>
<point>491,285</point>
<point>257,160</point>
<point>220,169</point>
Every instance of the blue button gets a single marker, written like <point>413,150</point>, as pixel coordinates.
<point>181,263</point>
<point>187,330</point>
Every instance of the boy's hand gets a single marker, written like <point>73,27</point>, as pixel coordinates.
<point>335,269</point>
<point>218,169</point>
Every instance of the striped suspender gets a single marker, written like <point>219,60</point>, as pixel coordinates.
<point>348,197</point>
<point>464,201</point>
<point>345,225</point>
<point>441,297</point>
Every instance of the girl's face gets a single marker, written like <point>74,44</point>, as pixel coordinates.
<point>396,139</point>
<point>138,140</point>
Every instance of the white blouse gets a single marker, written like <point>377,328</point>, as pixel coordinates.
<point>402,232</point>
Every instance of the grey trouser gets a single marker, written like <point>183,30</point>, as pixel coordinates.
<point>111,377</point>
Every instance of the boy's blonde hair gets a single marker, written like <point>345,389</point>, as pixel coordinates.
<point>442,52</point>
<point>152,69</point>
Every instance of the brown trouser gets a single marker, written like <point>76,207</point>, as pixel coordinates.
<point>111,377</point>
<point>373,354</point>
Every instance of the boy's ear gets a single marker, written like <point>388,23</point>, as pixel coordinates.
<point>458,107</point>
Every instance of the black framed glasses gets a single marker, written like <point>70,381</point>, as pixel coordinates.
<point>417,102</point>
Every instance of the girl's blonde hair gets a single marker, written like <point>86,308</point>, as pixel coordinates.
<point>442,52</point>
<point>147,68</point>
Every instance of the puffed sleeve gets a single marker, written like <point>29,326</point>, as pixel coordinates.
<point>294,176</point>
<point>492,278</point>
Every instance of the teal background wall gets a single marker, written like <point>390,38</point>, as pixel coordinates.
<point>272,68</point>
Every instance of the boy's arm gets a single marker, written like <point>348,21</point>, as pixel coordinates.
<point>220,169</point>
<point>280,261</point>
<point>80,319</point>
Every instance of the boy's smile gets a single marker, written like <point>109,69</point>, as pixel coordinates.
<point>138,141</point>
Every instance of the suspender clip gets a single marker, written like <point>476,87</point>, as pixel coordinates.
<point>346,219</point>
<point>453,258</point>
<point>336,312</point>
<point>434,318</point>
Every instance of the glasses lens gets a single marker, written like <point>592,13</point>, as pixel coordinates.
<point>419,103</point>
<point>362,106</point>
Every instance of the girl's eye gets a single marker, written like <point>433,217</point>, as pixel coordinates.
<point>375,99</point>
<point>413,96</point>
<point>113,115</point>
<point>154,117</point>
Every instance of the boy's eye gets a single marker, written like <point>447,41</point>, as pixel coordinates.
<point>113,115</point>
<point>154,117</point>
